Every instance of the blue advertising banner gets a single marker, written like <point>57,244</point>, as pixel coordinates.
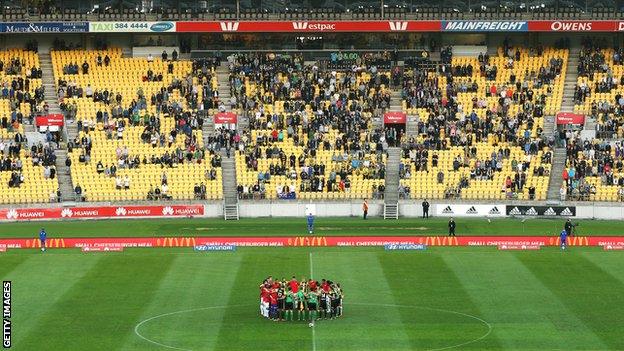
<point>405,247</point>
<point>44,27</point>
<point>485,26</point>
<point>214,248</point>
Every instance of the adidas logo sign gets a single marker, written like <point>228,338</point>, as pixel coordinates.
<point>531,212</point>
<point>550,212</point>
<point>566,212</point>
<point>472,210</point>
<point>515,211</point>
<point>494,211</point>
<point>447,209</point>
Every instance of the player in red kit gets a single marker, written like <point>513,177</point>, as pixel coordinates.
<point>264,300</point>
<point>273,305</point>
<point>294,285</point>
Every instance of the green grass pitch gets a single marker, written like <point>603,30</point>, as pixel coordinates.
<point>458,298</point>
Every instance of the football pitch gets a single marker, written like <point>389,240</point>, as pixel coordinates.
<point>458,298</point>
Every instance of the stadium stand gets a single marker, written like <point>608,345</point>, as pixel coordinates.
<point>311,133</point>
<point>27,175</point>
<point>479,134</point>
<point>593,170</point>
<point>140,131</point>
<point>599,92</point>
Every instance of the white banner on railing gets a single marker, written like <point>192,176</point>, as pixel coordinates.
<point>462,210</point>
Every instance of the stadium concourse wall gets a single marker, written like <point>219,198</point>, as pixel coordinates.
<point>294,208</point>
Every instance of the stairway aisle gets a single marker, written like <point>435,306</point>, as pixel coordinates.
<point>391,194</point>
<point>556,180</point>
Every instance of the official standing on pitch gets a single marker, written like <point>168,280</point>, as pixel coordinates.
<point>568,227</point>
<point>42,238</point>
<point>451,227</point>
<point>425,206</point>
<point>365,208</point>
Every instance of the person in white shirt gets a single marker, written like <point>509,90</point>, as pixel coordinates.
<point>150,58</point>
<point>118,183</point>
<point>126,183</point>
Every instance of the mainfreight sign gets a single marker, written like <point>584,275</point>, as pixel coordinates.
<point>485,26</point>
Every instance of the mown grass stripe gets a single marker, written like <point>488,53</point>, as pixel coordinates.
<point>498,282</point>
<point>193,282</point>
<point>110,296</point>
<point>363,280</point>
<point>425,279</point>
<point>587,291</point>
<point>242,328</point>
<point>39,283</point>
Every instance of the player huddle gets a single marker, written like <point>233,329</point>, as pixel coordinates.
<point>305,300</point>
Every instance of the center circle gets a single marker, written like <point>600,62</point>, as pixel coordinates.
<point>349,307</point>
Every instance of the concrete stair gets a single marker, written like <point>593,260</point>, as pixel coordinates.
<point>391,211</point>
<point>411,125</point>
<point>230,212</point>
<point>49,83</point>
<point>571,76</point>
<point>230,195</point>
<point>391,194</point>
<point>66,184</point>
<point>555,182</point>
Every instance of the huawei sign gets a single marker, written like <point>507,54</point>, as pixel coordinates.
<point>311,26</point>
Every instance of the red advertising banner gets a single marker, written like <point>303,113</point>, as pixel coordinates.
<point>225,118</point>
<point>570,118</point>
<point>25,214</point>
<point>49,120</point>
<point>573,26</point>
<point>308,26</point>
<point>303,241</point>
<point>395,118</point>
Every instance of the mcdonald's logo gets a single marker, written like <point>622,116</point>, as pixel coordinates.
<point>320,241</point>
<point>158,242</point>
<point>193,241</point>
<point>574,239</point>
<point>62,242</point>
<point>308,241</point>
<point>444,240</point>
<point>175,240</point>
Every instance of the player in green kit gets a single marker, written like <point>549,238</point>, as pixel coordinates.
<point>290,299</point>
<point>312,305</point>
<point>301,305</point>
